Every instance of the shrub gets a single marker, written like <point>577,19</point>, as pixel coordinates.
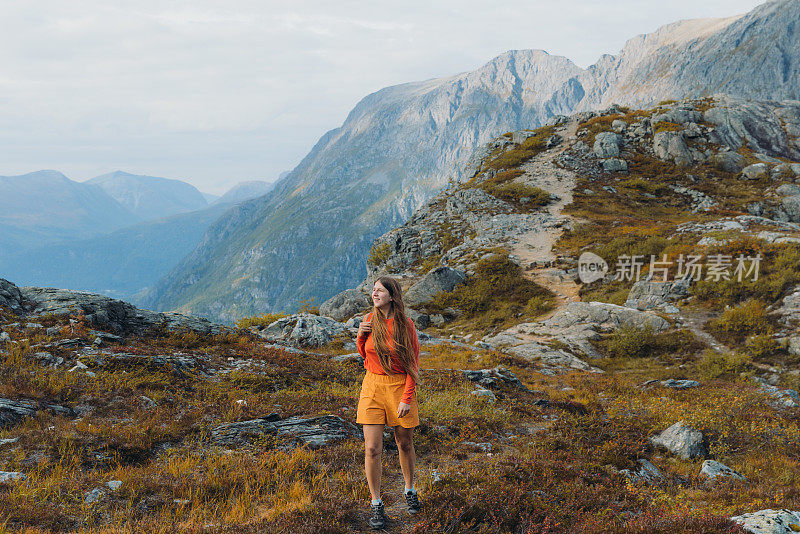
<point>761,346</point>
<point>259,320</point>
<point>516,156</point>
<point>737,323</point>
<point>306,306</point>
<point>715,364</point>
<point>378,254</point>
<point>515,192</point>
<point>664,126</point>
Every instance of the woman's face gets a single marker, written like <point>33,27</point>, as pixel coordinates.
<point>380,296</point>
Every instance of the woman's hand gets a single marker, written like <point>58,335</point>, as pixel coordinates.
<point>364,328</point>
<point>403,409</point>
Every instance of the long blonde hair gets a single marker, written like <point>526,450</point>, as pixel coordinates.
<point>401,338</point>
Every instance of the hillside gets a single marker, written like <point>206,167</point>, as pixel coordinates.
<point>401,145</point>
<point>547,404</point>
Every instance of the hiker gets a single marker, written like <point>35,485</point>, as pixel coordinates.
<point>387,340</point>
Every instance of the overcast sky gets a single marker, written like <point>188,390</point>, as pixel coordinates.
<point>215,93</point>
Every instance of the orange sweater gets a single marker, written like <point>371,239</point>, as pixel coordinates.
<point>372,363</point>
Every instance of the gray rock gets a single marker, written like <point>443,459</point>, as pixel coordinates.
<point>303,330</point>
<point>680,384</point>
<point>8,441</point>
<point>493,378</point>
<point>712,469</point>
<point>729,161</point>
<point>791,205</point>
<point>180,365</point>
<point>114,485</point>
<point>671,146</point>
<point>604,315</point>
<point>755,171</point>
<point>4,337</point>
<point>483,392</point>
<point>103,311</point>
<point>681,440</point>
<point>13,412</point>
<point>783,398</point>
<point>11,476</point>
<point>788,190</point>
<point>10,296</point>
<point>421,320</point>
<point>646,473</point>
<point>615,165</point>
<point>606,145</point>
<point>344,305</point>
<point>297,431</point>
<point>769,521</point>
<point>436,281</point>
<point>650,295</point>
<point>346,357</point>
<point>93,496</point>
<point>619,126</point>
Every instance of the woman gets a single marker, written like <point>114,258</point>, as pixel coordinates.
<point>387,340</point>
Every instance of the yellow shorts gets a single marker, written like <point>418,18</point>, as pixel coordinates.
<point>379,399</point>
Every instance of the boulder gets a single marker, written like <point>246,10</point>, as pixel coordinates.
<point>437,280</point>
<point>712,469</point>
<point>671,146</point>
<point>650,295</point>
<point>615,165</point>
<point>681,440</point>
<point>303,329</point>
<point>606,145</point>
<point>729,161</point>
<point>770,521</point>
<point>11,476</point>
<point>10,296</point>
<point>755,171</point>
<point>646,473</point>
<point>344,305</point>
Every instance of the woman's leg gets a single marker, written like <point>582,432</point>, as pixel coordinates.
<point>405,447</point>
<point>373,447</point>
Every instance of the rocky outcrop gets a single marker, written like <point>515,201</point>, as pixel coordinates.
<point>105,312</point>
<point>13,412</point>
<point>650,295</point>
<point>344,305</point>
<point>10,296</point>
<point>646,473</point>
<point>770,521</point>
<point>293,432</point>
<point>604,315</point>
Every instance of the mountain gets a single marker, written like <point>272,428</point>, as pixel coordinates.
<point>118,264</point>
<point>246,190</point>
<point>45,206</point>
<point>210,197</point>
<point>150,197</point>
<point>310,235</point>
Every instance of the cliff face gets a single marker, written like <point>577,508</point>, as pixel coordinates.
<point>310,236</point>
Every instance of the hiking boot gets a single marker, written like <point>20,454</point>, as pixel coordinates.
<point>378,518</point>
<point>412,502</point>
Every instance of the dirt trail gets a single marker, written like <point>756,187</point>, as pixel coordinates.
<point>534,249</point>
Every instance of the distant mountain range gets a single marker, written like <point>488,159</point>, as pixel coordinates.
<point>310,236</point>
<point>115,234</point>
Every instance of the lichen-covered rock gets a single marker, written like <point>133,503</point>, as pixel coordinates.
<point>105,312</point>
<point>671,146</point>
<point>646,473</point>
<point>436,281</point>
<point>651,295</point>
<point>492,378</point>
<point>303,330</point>
<point>344,305</point>
<point>679,384</point>
<point>10,296</point>
<point>682,440</point>
<point>615,165</point>
<point>756,171</point>
<point>15,411</point>
<point>770,521</point>
<point>711,469</point>
<point>605,315</point>
<point>297,431</point>
<point>729,161</point>
<point>606,145</point>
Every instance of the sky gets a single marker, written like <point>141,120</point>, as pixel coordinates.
<point>216,93</point>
